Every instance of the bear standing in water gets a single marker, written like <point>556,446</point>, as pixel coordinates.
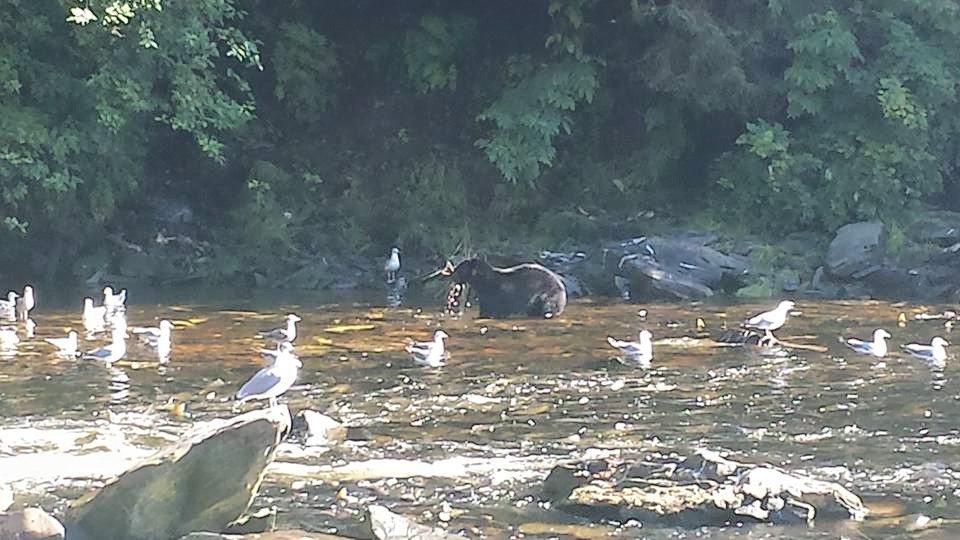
<point>525,289</point>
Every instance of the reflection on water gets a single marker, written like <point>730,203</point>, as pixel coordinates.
<point>535,389</point>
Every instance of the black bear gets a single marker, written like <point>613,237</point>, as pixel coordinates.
<point>524,289</point>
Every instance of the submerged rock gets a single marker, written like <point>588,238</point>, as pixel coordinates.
<point>203,483</point>
<point>702,490</point>
<point>30,524</point>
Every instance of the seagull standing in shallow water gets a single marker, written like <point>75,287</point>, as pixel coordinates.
<point>8,307</point>
<point>156,337</point>
<point>288,333</point>
<point>877,347</point>
<point>114,302</point>
<point>935,352</point>
<point>429,353</point>
<point>94,318</point>
<point>112,352</point>
<point>272,381</point>
<point>640,351</point>
<point>392,266</point>
<point>66,346</point>
<point>768,321</point>
<point>25,303</point>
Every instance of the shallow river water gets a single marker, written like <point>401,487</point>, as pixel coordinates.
<point>523,393</point>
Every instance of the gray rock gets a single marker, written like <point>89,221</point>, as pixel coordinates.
<point>854,249</point>
<point>202,483</point>
<point>30,524</point>
<point>678,267</point>
<point>389,526</point>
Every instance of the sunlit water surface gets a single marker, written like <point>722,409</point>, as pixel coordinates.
<point>535,389</point>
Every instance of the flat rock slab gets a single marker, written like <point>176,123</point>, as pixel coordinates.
<point>202,483</point>
<point>703,489</point>
<point>275,535</point>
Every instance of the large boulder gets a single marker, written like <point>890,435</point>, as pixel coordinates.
<point>200,484</point>
<point>855,250</point>
<point>678,267</point>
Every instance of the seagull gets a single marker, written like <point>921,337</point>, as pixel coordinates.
<point>272,381</point>
<point>94,318</point>
<point>637,351</point>
<point>25,303</point>
<point>934,352</point>
<point>877,347</point>
<point>156,337</point>
<point>8,307</point>
<point>768,321</point>
<point>114,302</point>
<point>112,352</point>
<point>429,353</point>
<point>392,266</point>
<point>66,346</point>
<point>8,337</point>
<point>283,334</point>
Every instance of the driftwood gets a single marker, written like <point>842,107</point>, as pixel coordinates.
<point>701,490</point>
<point>203,483</point>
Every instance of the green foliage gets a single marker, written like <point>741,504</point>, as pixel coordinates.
<point>528,116</point>
<point>306,69</point>
<point>430,51</point>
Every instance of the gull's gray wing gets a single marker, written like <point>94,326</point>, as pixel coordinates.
<point>259,384</point>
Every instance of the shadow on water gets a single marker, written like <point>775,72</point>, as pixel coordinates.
<point>528,389</point>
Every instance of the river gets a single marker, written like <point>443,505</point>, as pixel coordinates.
<point>533,391</point>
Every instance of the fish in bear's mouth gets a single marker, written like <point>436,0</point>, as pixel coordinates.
<point>453,296</point>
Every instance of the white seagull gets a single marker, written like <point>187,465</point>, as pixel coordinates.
<point>934,352</point>
<point>877,347</point>
<point>429,353</point>
<point>637,351</point>
<point>94,318</point>
<point>282,347</point>
<point>25,303</point>
<point>66,346</point>
<point>114,302</point>
<point>288,333</point>
<point>112,352</point>
<point>392,266</point>
<point>8,307</point>
<point>157,337</point>
<point>272,381</point>
<point>768,321</point>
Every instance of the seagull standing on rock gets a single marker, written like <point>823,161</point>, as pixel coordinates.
<point>768,321</point>
<point>429,353</point>
<point>272,381</point>
<point>935,352</point>
<point>392,266</point>
<point>877,347</point>
<point>640,351</point>
<point>287,333</point>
